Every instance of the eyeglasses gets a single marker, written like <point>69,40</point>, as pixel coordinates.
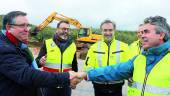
<point>64,29</point>
<point>22,25</point>
<point>105,30</point>
<point>143,32</point>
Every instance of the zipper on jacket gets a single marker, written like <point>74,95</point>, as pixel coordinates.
<point>144,85</point>
<point>61,61</point>
<point>108,54</point>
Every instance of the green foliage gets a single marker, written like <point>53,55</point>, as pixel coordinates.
<point>1,21</point>
<point>74,33</point>
<point>47,33</point>
<point>96,31</point>
<point>125,36</point>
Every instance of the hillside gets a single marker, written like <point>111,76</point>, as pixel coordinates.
<point>48,32</point>
<point>1,21</point>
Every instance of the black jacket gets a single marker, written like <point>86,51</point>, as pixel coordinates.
<point>18,77</point>
<point>43,51</point>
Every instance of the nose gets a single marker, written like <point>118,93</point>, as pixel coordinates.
<point>142,34</point>
<point>26,29</point>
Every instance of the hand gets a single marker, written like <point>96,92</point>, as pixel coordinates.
<point>82,75</point>
<point>43,60</point>
<point>74,79</point>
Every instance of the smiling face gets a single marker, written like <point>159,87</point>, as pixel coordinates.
<point>20,28</point>
<point>149,37</point>
<point>107,31</point>
<point>63,31</point>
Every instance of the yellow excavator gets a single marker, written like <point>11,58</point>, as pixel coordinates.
<point>57,17</point>
<point>85,37</point>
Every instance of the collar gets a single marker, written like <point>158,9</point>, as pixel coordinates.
<point>12,38</point>
<point>110,41</point>
<point>58,40</point>
<point>158,50</point>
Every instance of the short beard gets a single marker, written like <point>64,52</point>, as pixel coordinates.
<point>108,39</point>
<point>64,37</point>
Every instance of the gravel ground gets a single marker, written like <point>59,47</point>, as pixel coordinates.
<point>85,88</point>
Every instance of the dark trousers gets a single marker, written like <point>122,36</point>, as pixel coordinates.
<point>108,89</point>
<point>66,91</point>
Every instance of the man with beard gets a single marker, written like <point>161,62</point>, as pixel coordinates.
<point>58,55</point>
<point>149,69</point>
<point>107,52</point>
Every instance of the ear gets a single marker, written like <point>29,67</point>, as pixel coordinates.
<point>57,29</point>
<point>8,27</point>
<point>162,35</point>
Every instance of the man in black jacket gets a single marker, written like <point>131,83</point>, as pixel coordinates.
<point>18,73</point>
<point>58,55</point>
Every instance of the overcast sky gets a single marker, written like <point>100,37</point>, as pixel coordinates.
<point>127,14</point>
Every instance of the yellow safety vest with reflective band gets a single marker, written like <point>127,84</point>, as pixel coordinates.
<point>55,58</point>
<point>156,83</point>
<point>135,48</point>
<point>101,55</point>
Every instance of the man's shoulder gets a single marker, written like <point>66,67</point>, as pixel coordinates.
<point>5,45</point>
<point>50,39</point>
<point>95,44</point>
<point>122,43</point>
<point>3,40</point>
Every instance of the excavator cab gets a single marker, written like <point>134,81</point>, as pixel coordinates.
<point>83,32</point>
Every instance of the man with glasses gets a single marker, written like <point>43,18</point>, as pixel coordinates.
<point>19,75</point>
<point>106,52</point>
<point>59,55</point>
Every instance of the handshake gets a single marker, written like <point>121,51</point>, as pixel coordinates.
<point>76,77</point>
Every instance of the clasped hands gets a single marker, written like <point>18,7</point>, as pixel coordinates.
<point>76,77</point>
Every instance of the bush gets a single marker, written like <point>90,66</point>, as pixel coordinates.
<point>125,36</point>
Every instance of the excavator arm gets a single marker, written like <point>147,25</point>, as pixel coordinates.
<point>57,17</point>
<point>84,37</point>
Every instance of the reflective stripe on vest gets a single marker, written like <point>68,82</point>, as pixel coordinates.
<point>100,55</point>
<point>57,66</point>
<point>100,61</point>
<point>118,54</point>
<point>152,89</point>
<point>156,83</point>
<point>109,82</point>
<point>55,58</point>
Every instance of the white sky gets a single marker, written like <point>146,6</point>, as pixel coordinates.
<point>127,14</point>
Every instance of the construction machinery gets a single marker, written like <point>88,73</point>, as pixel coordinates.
<point>85,37</point>
<point>57,17</point>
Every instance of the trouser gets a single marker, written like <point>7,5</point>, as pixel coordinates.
<point>65,91</point>
<point>108,89</point>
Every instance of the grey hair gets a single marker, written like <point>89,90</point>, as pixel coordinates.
<point>108,21</point>
<point>161,25</point>
<point>9,18</point>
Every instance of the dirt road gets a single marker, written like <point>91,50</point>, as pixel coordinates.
<point>85,88</point>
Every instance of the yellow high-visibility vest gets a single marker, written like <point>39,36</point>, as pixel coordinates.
<point>57,60</point>
<point>135,48</point>
<point>156,83</point>
<point>100,55</point>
